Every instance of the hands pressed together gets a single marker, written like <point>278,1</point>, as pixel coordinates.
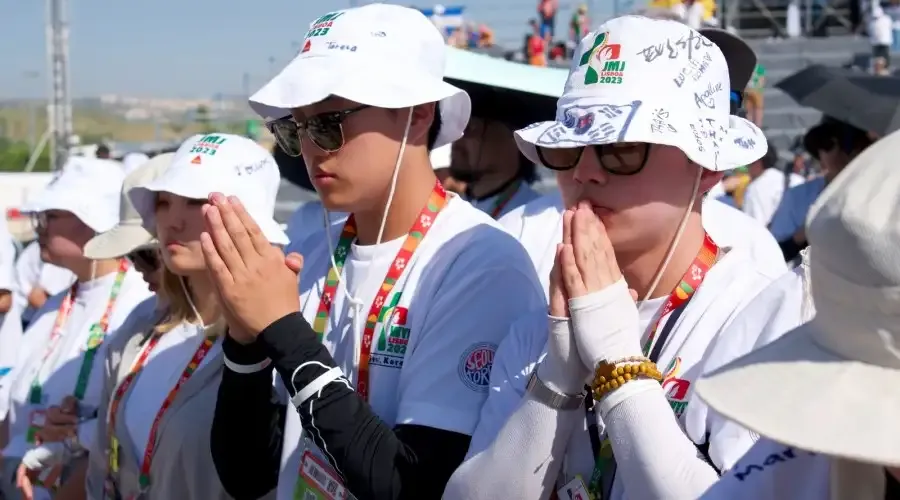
<point>256,283</point>
<point>586,286</point>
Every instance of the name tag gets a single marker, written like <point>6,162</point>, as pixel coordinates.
<point>317,480</point>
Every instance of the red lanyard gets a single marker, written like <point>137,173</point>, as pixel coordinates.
<point>95,336</point>
<point>689,283</point>
<point>119,394</point>
<point>424,221</point>
<point>504,198</point>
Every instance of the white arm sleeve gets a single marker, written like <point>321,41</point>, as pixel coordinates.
<point>654,458</point>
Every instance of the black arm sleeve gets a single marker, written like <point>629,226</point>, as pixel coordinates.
<point>376,462</point>
<point>247,427</point>
<point>791,249</point>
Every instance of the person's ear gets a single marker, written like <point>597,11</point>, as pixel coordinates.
<point>708,179</point>
<point>422,116</point>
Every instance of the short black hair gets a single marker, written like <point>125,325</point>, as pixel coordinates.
<point>435,127</point>
<point>102,150</point>
<point>770,159</point>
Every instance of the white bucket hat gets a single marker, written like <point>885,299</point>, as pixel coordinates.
<point>128,235</point>
<point>386,56</point>
<point>86,187</point>
<point>223,163</point>
<point>655,81</point>
<point>830,385</point>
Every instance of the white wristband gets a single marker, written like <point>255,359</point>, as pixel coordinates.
<point>245,369</point>
<point>316,385</point>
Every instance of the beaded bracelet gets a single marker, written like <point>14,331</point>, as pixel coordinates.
<point>610,375</point>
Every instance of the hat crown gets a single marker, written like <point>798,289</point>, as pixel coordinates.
<point>855,224</point>
<point>854,233</point>
<point>400,36</point>
<point>635,56</point>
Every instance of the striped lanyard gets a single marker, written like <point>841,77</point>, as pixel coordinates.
<point>604,468</point>
<point>420,228</point>
<point>125,385</point>
<point>504,198</point>
<point>95,338</point>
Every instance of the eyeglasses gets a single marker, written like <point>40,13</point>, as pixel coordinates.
<point>324,130</point>
<point>40,220</point>
<point>144,259</point>
<point>617,159</point>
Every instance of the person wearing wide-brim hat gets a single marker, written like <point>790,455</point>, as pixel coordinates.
<point>386,350</point>
<point>823,396</point>
<point>633,186</point>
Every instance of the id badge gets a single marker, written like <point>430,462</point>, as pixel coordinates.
<point>317,479</point>
<point>36,421</point>
<point>574,490</point>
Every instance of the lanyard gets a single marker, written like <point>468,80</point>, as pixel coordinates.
<point>420,228</point>
<point>95,337</point>
<point>504,198</point>
<point>122,389</point>
<point>605,466</point>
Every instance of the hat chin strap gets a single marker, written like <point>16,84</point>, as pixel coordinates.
<point>677,238</point>
<point>357,312</point>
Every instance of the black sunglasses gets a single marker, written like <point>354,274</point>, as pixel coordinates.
<point>324,130</point>
<point>145,259</point>
<point>616,159</point>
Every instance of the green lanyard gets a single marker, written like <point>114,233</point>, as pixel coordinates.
<point>94,341</point>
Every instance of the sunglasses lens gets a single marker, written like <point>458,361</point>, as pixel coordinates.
<point>559,158</point>
<point>623,159</point>
<point>286,135</point>
<point>326,134</point>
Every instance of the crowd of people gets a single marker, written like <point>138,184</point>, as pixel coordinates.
<point>432,327</point>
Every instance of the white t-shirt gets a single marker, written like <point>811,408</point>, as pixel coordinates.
<point>763,195</point>
<point>881,29</point>
<point>7,264</point>
<point>524,194</point>
<point>774,471</point>
<point>59,373</point>
<point>538,225</point>
<point>31,271</point>
<point>161,372</point>
<point>791,214</point>
<point>466,282</point>
<point>309,219</point>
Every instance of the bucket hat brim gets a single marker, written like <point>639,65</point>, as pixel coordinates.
<point>380,87</point>
<point>712,145</point>
<point>795,392</point>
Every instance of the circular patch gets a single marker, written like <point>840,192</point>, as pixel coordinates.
<point>475,366</point>
<point>579,120</point>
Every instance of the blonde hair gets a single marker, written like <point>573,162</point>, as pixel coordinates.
<point>179,307</point>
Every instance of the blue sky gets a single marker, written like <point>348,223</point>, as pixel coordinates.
<point>187,48</point>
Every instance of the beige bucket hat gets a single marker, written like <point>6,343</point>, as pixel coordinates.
<point>831,385</point>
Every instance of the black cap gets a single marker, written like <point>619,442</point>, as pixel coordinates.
<point>740,57</point>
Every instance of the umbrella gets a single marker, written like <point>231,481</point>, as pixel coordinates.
<point>868,102</point>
